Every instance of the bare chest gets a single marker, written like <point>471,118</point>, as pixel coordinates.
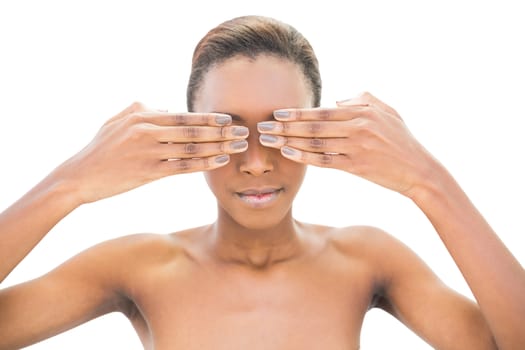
<point>210,309</point>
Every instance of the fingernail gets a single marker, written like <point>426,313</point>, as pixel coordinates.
<point>265,138</point>
<point>344,101</point>
<point>240,131</point>
<point>265,126</point>
<point>223,119</point>
<point>288,151</point>
<point>239,144</point>
<point>222,159</point>
<point>281,114</point>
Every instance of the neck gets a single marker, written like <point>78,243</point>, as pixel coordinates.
<point>258,247</point>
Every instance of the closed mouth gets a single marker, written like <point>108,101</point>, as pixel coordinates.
<point>259,196</point>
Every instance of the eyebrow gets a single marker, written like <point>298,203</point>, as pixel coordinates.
<point>239,119</point>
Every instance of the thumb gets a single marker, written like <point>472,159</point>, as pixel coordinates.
<point>345,102</point>
<point>366,99</point>
<point>355,101</point>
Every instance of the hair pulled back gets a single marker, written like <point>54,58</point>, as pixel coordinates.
<point>251,36</point>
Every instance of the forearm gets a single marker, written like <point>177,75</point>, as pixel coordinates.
<point>28,220</point>
<point>494,275</point>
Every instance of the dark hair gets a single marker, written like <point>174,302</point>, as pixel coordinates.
<point>251,36</point>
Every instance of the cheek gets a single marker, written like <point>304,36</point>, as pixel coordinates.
<point>211,177</point>
<point>295,171</point>
<point>217,177</point>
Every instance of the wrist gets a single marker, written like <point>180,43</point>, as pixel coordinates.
<point>63,188</point>
<point>435,182</point>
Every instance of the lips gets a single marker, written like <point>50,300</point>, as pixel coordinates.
<point>259,197</point>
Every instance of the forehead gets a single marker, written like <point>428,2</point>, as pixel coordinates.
<point>241,85</point>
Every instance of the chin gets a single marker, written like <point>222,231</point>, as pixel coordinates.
<point>261,220</point>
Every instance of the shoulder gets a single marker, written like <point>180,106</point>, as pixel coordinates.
<point>143,248</point>
<point>390,258</point>
<point>394,266</point>
<point>363,240</point>
<point>124,258</point>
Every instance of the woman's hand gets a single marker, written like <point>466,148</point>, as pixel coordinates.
<point>138,146</point>
<point>362,136</point>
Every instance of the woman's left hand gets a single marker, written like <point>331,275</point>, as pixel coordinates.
<point>362,136</point>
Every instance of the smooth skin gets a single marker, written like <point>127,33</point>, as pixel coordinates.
<point>243,282</point>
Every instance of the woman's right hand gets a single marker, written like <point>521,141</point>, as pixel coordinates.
<point>139,145</point>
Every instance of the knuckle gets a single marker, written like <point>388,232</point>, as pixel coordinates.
<point>206,163</point>
<point>136,107</point>
<point>191,148</point>
<point>315,128</point>
<point>365,94</point>
<point>325,114</point>
<point>223,132</point>
<point>317,143</point>
<point>182,165</point>
<point>135,118</point>
<point>191,132</point>
<point>325,159</point>
<point>180,119</point>
<point>285,127</point>
<point>223,148</point>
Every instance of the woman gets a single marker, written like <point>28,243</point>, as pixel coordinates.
<point>257,278</point>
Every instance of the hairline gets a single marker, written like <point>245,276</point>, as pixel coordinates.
<point>252,58</point>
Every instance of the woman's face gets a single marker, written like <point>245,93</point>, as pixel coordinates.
<point>257,187</point>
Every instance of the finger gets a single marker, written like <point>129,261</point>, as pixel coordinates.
<point>367,99</point>
<point>181,166</point>
<point>316,145</point>
<point>273,141</point>
<point>200,150</point>
<point>135,107</point>
<point>181,134</point>
<point>324,160</point>
<point>305,128</point>
<point>177,119</point>
<point>297,114</point>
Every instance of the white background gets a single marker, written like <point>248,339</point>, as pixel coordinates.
<point>454,71</point>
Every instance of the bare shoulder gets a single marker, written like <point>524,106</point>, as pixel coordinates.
<point>366,241</point>
<point>389,259</point>
<point>144,248</point>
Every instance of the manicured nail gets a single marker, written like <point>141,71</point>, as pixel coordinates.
<point>281,114</point>
<point>239,144</point>
<point>223,119</point>
<point>288,151</point>
<point>222,159</point>
<point>240,131</point>
<point>265,126</point>
<point>344,101</point>
<point>265,138</point>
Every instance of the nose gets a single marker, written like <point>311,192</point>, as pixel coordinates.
<point>257,160</point>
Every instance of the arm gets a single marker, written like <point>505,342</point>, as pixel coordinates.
<point>28,220</point>
<point>83,288</point>
<point>411,292</point>
<point>135,147</point>
<point>368,138</point>
<point>495,277</point>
